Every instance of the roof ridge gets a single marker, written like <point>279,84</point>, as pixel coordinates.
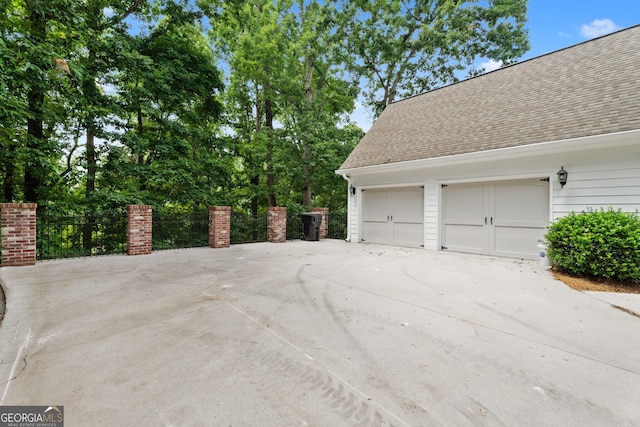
<point>518,63</point>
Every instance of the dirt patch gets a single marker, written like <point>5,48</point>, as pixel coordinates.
<point>602,285</point>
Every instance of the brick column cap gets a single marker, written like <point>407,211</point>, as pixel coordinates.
<point>139,207</point>
<point>18,205</point>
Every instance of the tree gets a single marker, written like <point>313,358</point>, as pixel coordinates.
<point>103,26</point>
<point>13,106</point>
<point>404,48</point>
<point>169,99</point>
<point>35,42</point>
<point>282,71</point>
<point>249,36</point>
<point>316,98</point>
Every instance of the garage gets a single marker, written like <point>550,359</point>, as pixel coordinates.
<point>508,168</point>
<point>503,218</point>
<point>393,216</point>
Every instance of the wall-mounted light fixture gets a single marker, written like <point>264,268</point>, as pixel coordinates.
<point>562,176</point>
<point>352,190</point>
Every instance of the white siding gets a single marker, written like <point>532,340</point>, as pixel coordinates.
<point>599,186</point>
<point>430,215</point>
<point>353,217</point>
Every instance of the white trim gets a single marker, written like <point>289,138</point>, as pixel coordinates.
<point>378,186</point>
<point>496,178</point>
<point>617,139</point>
<point>440,225</point>
<point>359,209</point>
<point>349,196</point>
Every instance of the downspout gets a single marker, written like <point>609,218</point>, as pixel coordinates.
<point>348,179</point>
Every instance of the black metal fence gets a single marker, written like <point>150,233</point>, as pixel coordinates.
<point>337,225</point>
<point>177,230</point>
<point>294,226</point>
<point>69,236</point>
<point>246,228</point>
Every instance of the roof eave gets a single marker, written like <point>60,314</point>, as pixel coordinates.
<point>550,147</point>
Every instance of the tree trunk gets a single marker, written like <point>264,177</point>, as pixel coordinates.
<point>87,231</point>
<point>91,163</point>
<point>255,179</point>
<point>7,182</point>
<point>307,155</point>
<point>268,114</point>
<point>92,98</point>
<point>307,189</point>
<point>92,95</point>
<point>33,172</point>
<point>35,138</point>
<point>255,182</point>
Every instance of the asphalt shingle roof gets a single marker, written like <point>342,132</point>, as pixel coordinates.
<point>592,88</point>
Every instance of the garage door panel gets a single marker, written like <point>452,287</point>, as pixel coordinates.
<point>408,205</point>
<point>374,205</point>
<point>464,204</point>
<point>408,234</point>
<point>517,241</point>
<point>465,238</point>
<point>375,232</point>
<point>521,202</point>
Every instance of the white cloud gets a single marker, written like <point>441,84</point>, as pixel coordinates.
<point>598,27</point>
<point>491,65</point>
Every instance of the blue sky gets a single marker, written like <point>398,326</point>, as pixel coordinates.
<point>556,24</point>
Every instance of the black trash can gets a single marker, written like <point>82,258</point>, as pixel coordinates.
<point>311,225</point>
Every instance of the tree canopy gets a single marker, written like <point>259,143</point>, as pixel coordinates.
<point>184,104</point>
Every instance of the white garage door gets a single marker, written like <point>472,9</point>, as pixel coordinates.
<point>505,218</point>
<point>393,216</point>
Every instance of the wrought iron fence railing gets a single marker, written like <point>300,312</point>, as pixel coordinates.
<point>337,225</point>
<point>246,228</point>
<point>178,230</point>
<point>294,226</point>
<point>89,234</point>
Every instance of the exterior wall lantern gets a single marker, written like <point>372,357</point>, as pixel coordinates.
<point>562,176</point>
<point>352,190</point>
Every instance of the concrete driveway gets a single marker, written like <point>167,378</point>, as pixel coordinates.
<point>316,334</point>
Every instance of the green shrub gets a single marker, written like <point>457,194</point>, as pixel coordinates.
<point>600,244</point>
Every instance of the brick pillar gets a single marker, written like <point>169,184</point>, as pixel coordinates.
<point>139,229</point>
<point>324,225</point>
<point>18,227</point>
<point>277,224</point>
<point>219,226</point>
